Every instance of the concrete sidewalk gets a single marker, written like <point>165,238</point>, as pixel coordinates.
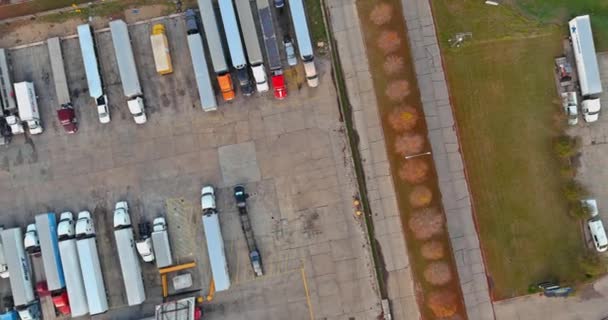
<point>387,223</point>
<point>448,160</point>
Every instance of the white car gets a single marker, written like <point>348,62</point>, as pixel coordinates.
<point>290,52</point>
<point>598,233</point>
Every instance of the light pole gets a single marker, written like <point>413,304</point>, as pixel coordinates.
<point>417,155</point>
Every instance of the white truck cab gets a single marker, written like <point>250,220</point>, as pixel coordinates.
<point>30,240</point>
<point>84,224</point>
<point>15,124</point>
<point>261,81</point>
<point>144,248</point>
<point>591,109</point>
<point>595,225</point>
<point>103,112</point>
<point>65,228</point>
<point>312,78</point>
<point>121,215</point>
<point>137,109</point>
<point>208,200</point>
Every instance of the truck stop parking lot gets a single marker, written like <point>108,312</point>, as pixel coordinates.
<point>291,155</point>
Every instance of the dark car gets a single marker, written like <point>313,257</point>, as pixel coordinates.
<point>279,3</point>
<point>245,81</point>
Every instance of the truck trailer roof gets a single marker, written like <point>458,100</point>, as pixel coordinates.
<point>212,35</point>
<point>46,225</point>
<point>585,56</point>
<point>233,35</point>
<point>215,248</point>
<point>7,93</point>
<point>129,264</point>
<point>125,58</point>
<point>268,33</point>
<point>18,266</point>
<point>89,58</point>
<point>250,33</point>
<point>61,82</point>
<point>201,72</point>
<point>26,100</point>
<point>93,278</point>
<point>298,15</point>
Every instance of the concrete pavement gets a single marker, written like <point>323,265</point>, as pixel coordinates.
<point>387,223</point>
<point>448,160</point>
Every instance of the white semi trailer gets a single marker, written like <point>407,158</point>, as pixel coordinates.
<point>129,263</point>
<point>89,264</point>
<point>128,70</point>
<point>71,265</point>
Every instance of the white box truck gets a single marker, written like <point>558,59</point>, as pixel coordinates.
<point>128,70</point>
<point>71,265</point>
<point>91,68</point>
<point>160,241</point>
<point>252,44</point>
<point>587,66</point>
<point>300,25</point>
<point>129,263</point>
<point>28,106</point>
<point>215,241</point>
<point>89,264</point>
<point>20,278</point>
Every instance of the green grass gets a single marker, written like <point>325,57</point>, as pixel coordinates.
<point>504,96</point>
<point>315,21</point>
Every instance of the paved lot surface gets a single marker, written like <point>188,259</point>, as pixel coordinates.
<point>291,155</point>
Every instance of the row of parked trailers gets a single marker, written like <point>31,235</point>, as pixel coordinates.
<point>19,103</point>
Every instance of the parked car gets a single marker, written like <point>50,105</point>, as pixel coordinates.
<point>290,52</point>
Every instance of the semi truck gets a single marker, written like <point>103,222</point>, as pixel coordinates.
<point>160,241</point>
<point>300,25</point>
<point>218,59</point>
<point>28,106</point>
<point>50,305</point>
<point>7,93</point>
<point>272,49</point>
<point>129,264</point>
<point>199,64</point>
<point>235,46</point>
<point>71,265</point>
<point>65,110</point>
<point>215,241</point>
<point>160,50</point>
<point>252,44</point>
<point>91,68</point>
<point>46,228</point>
<point>86,244</point>
<point>240,196</point>
<point>22,288</point>
<point>128,70</point>
<point>587,67</point>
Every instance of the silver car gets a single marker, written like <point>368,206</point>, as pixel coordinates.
<point>290,52</point>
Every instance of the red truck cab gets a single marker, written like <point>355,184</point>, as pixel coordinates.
<point>278,85</point>
<point>67,118</point>
<point>61,303</point>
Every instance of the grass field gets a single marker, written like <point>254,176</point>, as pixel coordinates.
<point>504,96</point>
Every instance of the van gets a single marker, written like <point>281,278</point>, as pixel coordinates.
<point>598,234</point>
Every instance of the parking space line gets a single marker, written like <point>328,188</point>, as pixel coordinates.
<point>305,282</point>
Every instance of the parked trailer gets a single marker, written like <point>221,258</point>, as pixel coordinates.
<point>3,266</point>
<point>160,241</point>
<point>215,241</point>
<point>128,70</point>
<point>71,265</point>
<point>587,66</point>
<point>7,93</point>
<point>46,225</point>
<point>300,25</point>
<point>65,112</point>
<point>28,106</point>
<point>272,49</point>
<point>20,274</point>
<point>201,73</point>
<point>218,59</point>
<point>240,197</point>
<point>160,49</point>
<point>252,44</point>
<point>91,68</point>
<point>129,263</point>
<point>89,264</point>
